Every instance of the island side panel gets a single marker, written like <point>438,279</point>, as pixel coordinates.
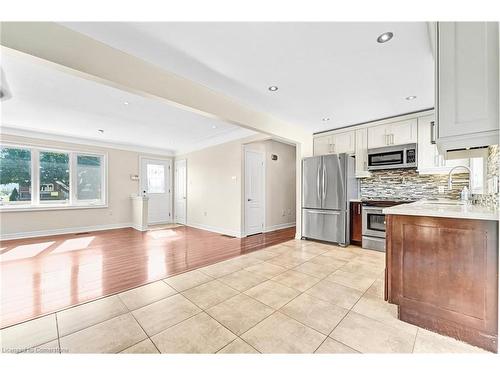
<point>443,274</point>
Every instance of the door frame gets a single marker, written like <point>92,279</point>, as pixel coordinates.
<point>170,179</point>
<point>246,149</point>
<point>175,192</point>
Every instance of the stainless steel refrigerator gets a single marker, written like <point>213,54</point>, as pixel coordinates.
<point>328,184</point>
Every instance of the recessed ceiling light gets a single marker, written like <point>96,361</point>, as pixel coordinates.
<point>100,131</point>
<point>325,119</point>
<point>126,103</point>
<point>214,126</point>
<point>273,88</point>
<point>385,37</point>
<point>411,97</point>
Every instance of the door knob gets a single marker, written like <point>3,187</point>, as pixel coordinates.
<point>249,200</point>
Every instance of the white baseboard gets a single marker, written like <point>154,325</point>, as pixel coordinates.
<point>272,228</point>
<point>159,222</point>
<point>227,232</point>
<point>139,228</point>
<point>53,232</point>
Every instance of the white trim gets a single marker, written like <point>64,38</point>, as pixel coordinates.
<point>20,132</point>
<point>160,222</point>
<point>228,232</point>
<point>143,228</point>
<point>272,228</point>
<point>52,232</point>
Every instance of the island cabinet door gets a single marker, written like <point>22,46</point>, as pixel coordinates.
<point>444,276</point>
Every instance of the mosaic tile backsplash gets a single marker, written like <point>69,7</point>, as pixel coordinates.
<point>408,184</point>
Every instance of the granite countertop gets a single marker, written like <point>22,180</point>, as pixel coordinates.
<point>443,208</point>
<point>355,200</point>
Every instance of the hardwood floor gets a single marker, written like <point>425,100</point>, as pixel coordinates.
<point>46,274</point>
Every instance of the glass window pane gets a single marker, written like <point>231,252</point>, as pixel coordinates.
<point>88,177</point>
<point>15,175</point>
<point>54,176</point>
<point>156,178</point>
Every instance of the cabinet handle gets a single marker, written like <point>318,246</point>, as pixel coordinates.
<point>433,132</point>
<point>359,209</point>
<point>392,139</point>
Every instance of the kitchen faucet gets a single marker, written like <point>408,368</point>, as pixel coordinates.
<point>450,179</point>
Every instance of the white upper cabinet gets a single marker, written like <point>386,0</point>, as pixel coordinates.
<point>377,136</point>
<point>395,133</point>
<point>362,153</point>
<point>322,145</point>
<point>403,132</point>
<point>344,142</point>
<point>467,85</point>
<point>335,144</point>
<point>429,160</point>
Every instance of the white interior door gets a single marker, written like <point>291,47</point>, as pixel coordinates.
<point>155,182</point>
<point>254,192</point>
<point>180,192</point>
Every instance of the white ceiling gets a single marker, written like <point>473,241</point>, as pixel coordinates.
<point>50,101</point>
<point>335,70</point>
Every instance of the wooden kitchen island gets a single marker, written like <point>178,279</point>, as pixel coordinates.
<point>442,270</point>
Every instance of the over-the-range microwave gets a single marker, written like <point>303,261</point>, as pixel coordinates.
<point>392,157</point>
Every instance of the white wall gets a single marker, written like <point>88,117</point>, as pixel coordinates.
<point>121,164</point>
<point>214,187</point>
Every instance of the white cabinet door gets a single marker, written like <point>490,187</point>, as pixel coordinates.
<point>377,136</point>
<point>362,153</point>
<point>467,84</point>
<point>429,161</point>
<point>428,158</point>
<point>395,133</point>
<point>343,142</point>
<point>322,145</point>
<point>403,132</point>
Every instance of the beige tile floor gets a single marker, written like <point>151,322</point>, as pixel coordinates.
<point>297,297</point>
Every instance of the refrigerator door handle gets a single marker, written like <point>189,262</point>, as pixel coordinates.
<point>324,212</point>
<point>317,181</point>
<point>325,182</point>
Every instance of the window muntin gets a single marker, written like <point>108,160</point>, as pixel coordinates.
<point>15,176</point>
<point>58,178</point>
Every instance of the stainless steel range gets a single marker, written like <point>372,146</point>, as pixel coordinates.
<point>373,220</point>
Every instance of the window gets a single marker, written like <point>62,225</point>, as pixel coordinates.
<point>156,178</point>
<point>54,176</point>
<point>88,177</point>
<point>58,178</point>
<point>15,175</point>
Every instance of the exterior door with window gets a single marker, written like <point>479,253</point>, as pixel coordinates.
<point>155,182</point>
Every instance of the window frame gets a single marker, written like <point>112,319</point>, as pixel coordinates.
<point>73,202</point>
